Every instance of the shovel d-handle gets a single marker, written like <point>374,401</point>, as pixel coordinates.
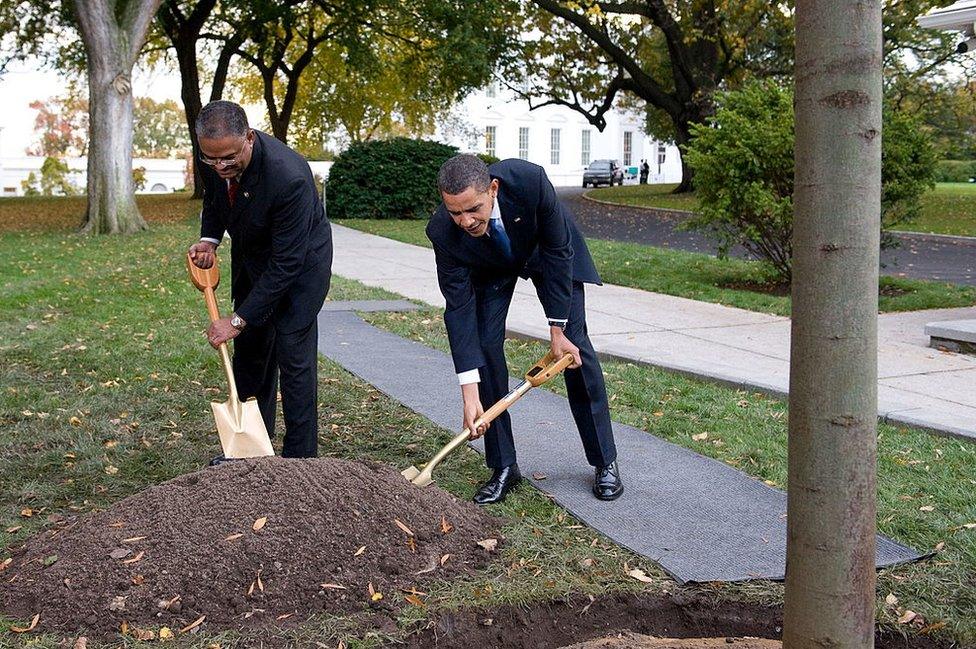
<point>203,277</point>
<point>546,368</point>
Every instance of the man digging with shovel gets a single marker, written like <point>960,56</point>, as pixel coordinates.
<point>263,194</point>
<point>495,224</point>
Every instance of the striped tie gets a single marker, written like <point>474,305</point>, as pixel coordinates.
<point>500,239</point>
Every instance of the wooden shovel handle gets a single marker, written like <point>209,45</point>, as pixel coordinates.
<point>203,278</point>
<point>546,368</point>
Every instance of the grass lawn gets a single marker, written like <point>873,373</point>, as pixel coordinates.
<point>948,209</point>
<point>703,277</point>
<point>104,384</point>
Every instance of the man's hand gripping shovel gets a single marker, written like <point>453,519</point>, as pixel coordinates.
<point>541,372</point>
<point>239,424</point>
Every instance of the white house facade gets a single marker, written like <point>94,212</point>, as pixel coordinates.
<point>559,139</point>
<point>162,175</point>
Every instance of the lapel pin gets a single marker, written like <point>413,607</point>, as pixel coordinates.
<point>247,195</point>
<point>517,219</point>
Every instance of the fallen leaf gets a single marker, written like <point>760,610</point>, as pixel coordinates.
<point>489,544</point>
<point>445,526</point>
<point>444,559</point>
<point>935,626</point>
<point>907,617</point>
<point>6,563</point>
<point>50,560</point>
<point>74,421</point>
<point>333,586</point>
<point>259,582</point>
<point>284,616</point>
<point>359,551</point>
<point>538,475</point>
<point>120,553</point>
<point>700,437</point>
<point>926,508</point>
<point>117,524</point>
<point>194,624</point>
<point>138,580</point>
<point>259,523</point>
<point>639,575</point>
<point>891,600</point>
<point>14,529</point>
<point>939,546</point>
<point>142,634</point>
<point>233,537</point>
<point>416,601</point>
<point>133,539</point>
<point>111,470</point>
<point>375,597</point>
<point>658,413</point>
<point>29,627</point>
<point>165,633</point>
<point>406,530</point>
<point>81,643</point>
<point>135,559</point>
<point>27,512</point>
<point>118,604</point>
<point>250,589</point>
<point>969,526</point>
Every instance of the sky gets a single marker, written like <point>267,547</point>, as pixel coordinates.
<point>26,82</point>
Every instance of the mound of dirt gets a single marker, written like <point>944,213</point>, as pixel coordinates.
<point>638,641</point>
<point>246,543</point>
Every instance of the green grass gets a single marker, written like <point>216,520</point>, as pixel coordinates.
<point>697,276</point>
<point>748,431</point>
<point>948,209</point>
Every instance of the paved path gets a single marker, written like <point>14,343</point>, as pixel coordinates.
<point>920,256</point>
<point>917,384</point>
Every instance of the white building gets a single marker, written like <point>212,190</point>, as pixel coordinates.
<point>162,175</point>
<point>559,138</point>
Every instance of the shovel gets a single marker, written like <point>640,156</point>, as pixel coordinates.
<point>542,371</point>
<point>240,425</point>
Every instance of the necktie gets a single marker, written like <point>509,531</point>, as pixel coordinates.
<point>500,238</point>
<point>232,186</point>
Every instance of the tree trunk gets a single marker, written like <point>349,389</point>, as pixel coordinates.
<point>113,37</point>
<point>683,137</point>
<point>830,576</point>
<point>186,55</point>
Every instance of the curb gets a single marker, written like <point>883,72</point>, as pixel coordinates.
<point>667,210</point>
<point>911,235</point>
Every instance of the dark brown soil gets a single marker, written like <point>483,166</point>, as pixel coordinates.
<point>171,554</point>
<point>565,622</point>
<point>779,289</point>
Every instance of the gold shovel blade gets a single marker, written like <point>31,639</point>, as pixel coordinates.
<point>241,429</point>
<point>417,477</point>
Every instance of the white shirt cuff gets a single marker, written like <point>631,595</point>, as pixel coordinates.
<point>471,376</point>
<point>215,242</point>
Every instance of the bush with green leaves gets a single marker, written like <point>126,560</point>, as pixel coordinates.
<point>743,164</point>
<point>955,171</point>
<point>386,179</point>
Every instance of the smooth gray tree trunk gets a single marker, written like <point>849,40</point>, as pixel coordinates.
<point>830,574</point>
<point>113,36</point>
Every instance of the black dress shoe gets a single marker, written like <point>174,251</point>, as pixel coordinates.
<point>502,481</point>
<point>220,459</point>
<point>608,485</point>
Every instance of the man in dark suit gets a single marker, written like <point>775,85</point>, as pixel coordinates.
<point>264,196</point>
<point>495,224</point>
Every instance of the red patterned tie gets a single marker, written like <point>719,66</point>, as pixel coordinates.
<point>232,186</point>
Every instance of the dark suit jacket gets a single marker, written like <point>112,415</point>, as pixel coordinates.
<point>545,242</point>
<point>281,241</point>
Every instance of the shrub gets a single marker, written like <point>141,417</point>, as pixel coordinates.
<point>743,164</point>
<point>387,179</point>
<point>488,159</point>
<point>955,171</point>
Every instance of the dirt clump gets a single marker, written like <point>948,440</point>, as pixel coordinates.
<point>638,641</point>
<point>246,543</point>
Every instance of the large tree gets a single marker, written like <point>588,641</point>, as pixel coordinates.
<point>830,547</point>
<point>113,34</point>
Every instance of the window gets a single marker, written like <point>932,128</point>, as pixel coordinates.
<point>490,133</point>
<point>554,147</point>
<point>492,90</point>
<point>585,148</point>
<point>662,154</point>
<point>628,147</point>
<point>524,142</point>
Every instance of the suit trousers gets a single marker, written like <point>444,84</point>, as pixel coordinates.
<point>585,386</point>
<point>262,357</point>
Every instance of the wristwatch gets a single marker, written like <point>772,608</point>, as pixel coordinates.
<point>237,322</point>
<point>558,323</point>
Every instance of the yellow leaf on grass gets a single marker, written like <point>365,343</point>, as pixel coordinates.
<point>74,421</point>
<point>406,530</point>
<point>639,575</point>
<point>259,523</point>
<point>416,601</point>
<point>29,627</point>
<point>165,633</point>
<point>26,512</point>
<point>194,624</point>
<point>700,437</point>
<point>111,470</point>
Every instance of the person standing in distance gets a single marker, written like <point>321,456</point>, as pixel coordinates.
<point>495,224</point>
<point>263,195</point>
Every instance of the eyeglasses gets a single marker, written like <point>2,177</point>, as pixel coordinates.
<point>225,161</point>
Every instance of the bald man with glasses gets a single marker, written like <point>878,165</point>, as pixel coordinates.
<point>263,195</point>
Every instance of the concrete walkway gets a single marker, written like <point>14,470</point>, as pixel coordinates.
<point>917,385</point>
